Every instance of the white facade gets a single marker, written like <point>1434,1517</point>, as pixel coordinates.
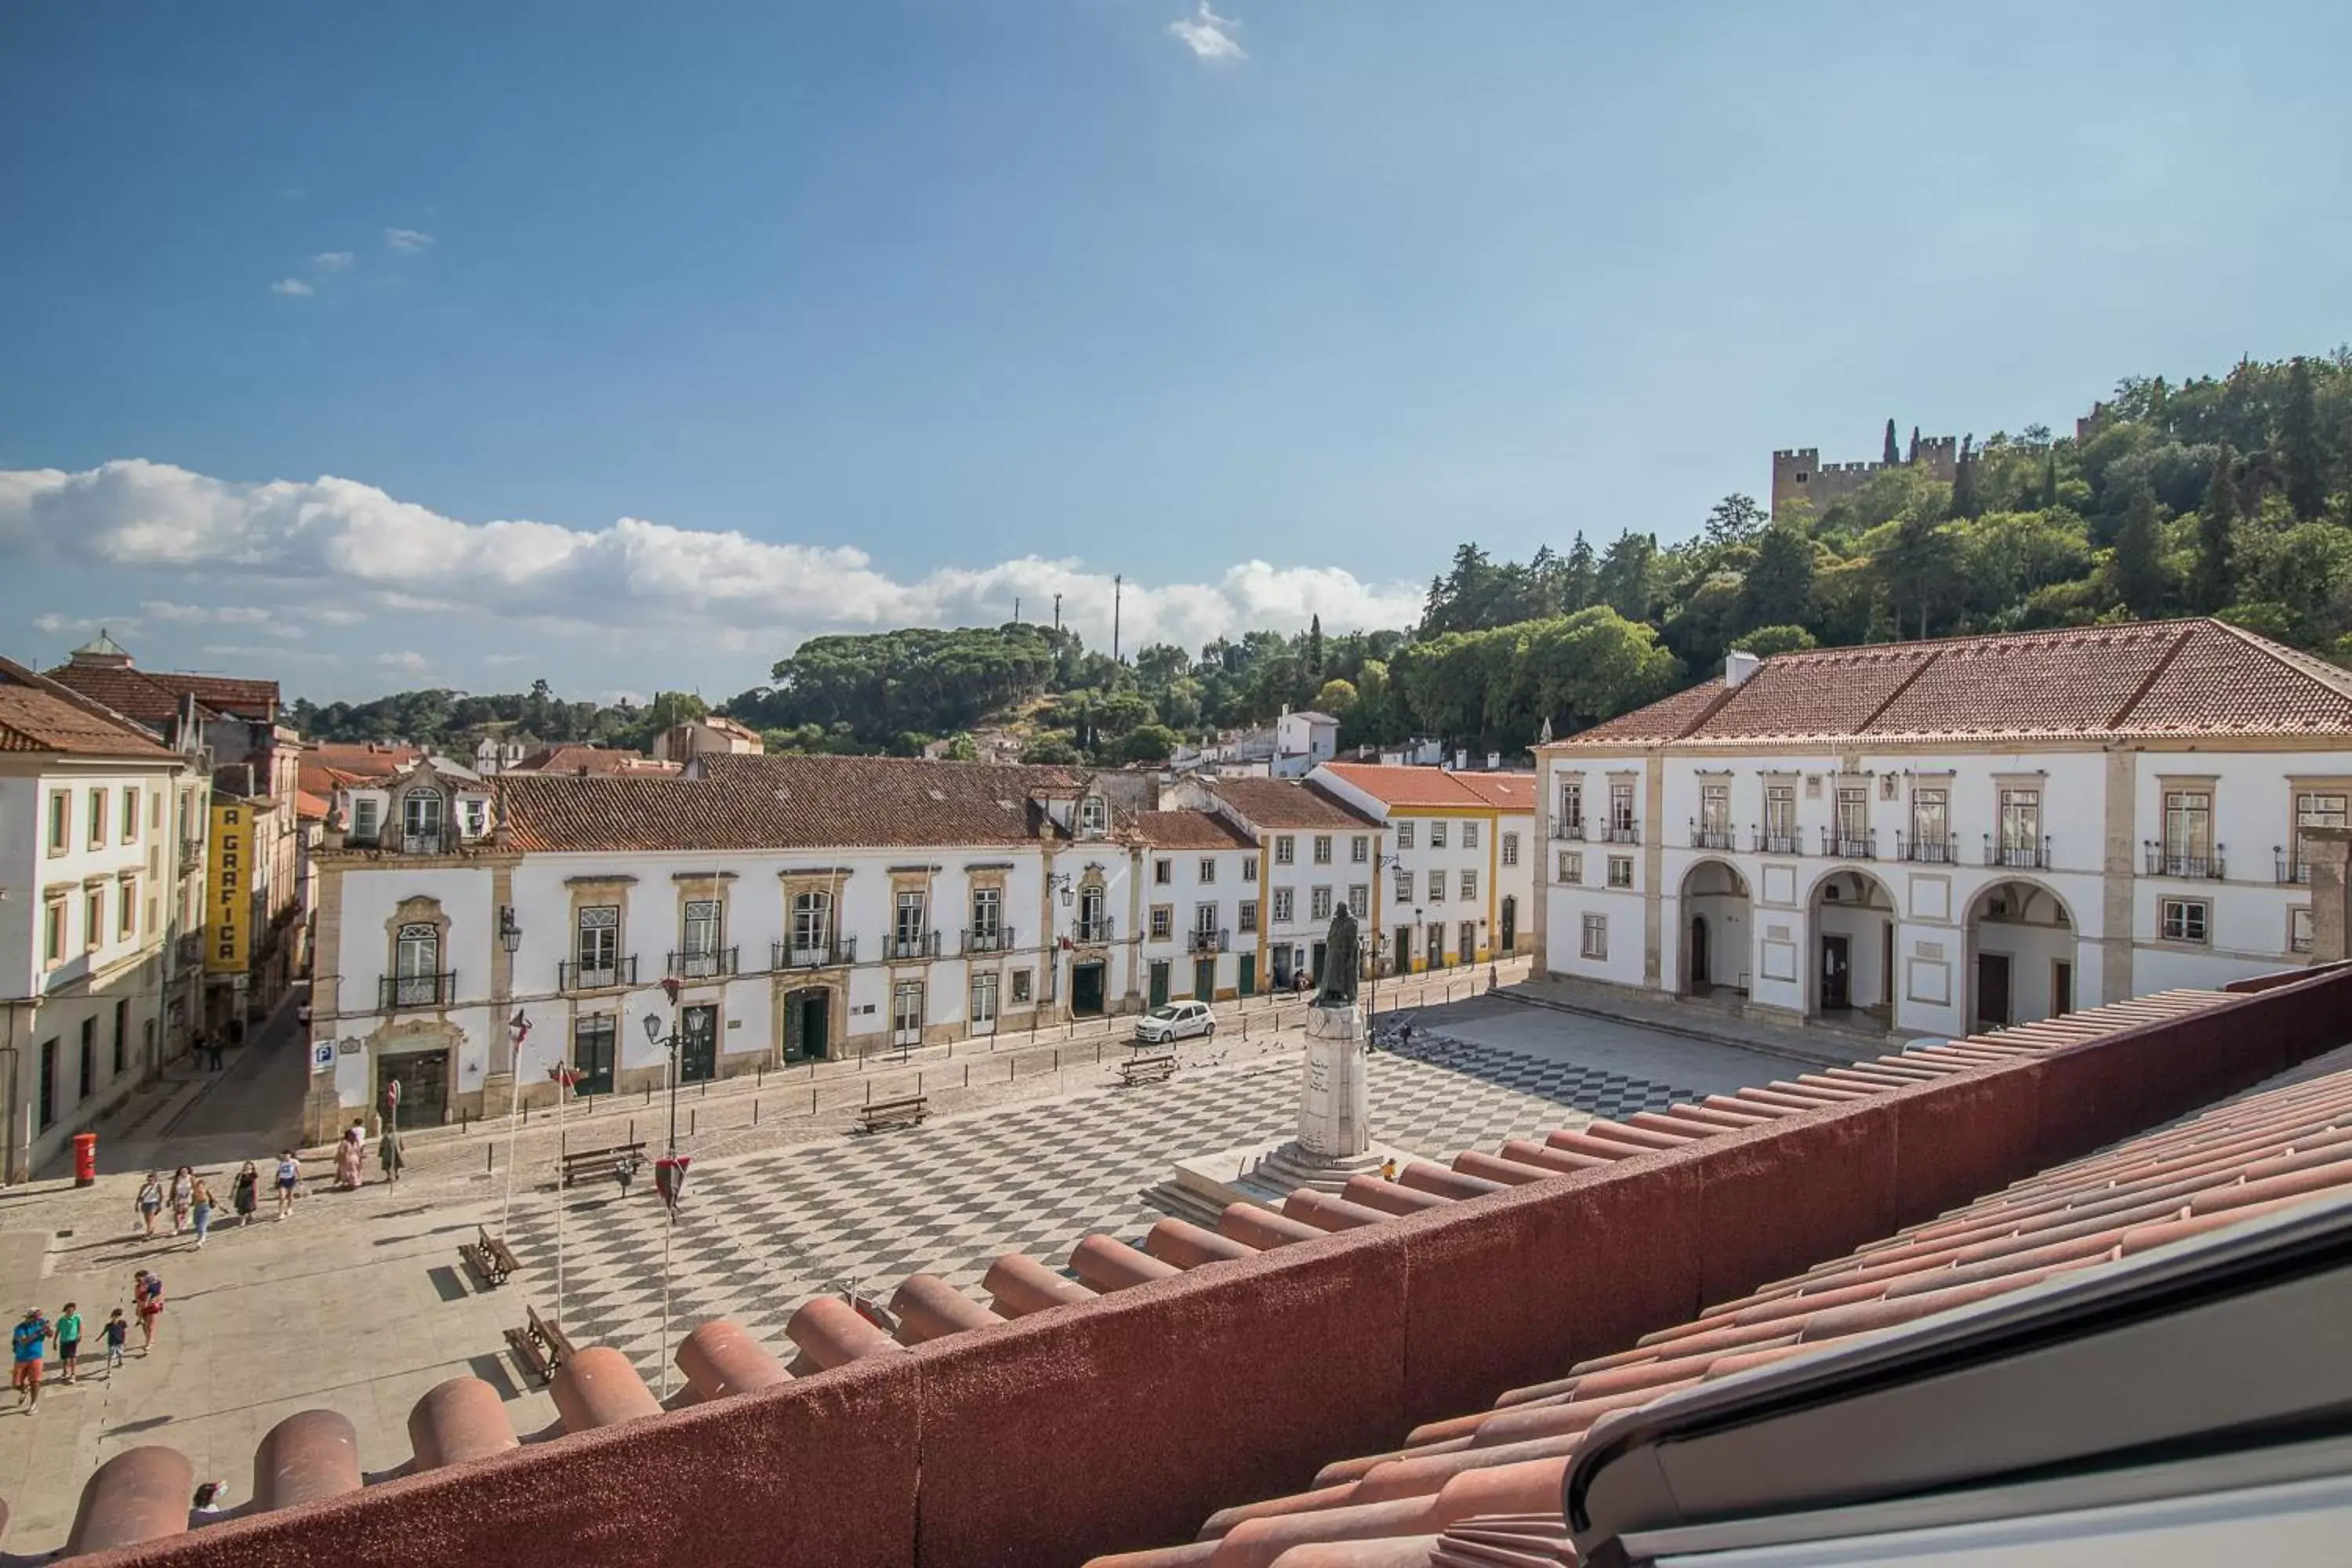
<point>1934,890</point>
<point>1200,913</point>
<point>1308,872</point>
<point>1458,882</point>
<point>1302,741</point>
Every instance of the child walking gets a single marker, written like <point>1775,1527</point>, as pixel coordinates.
<point>70,1341</point>
<point>117,1333</point>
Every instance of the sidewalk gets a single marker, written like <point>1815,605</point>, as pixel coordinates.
<point>1823,1044</point>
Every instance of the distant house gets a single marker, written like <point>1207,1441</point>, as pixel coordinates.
<point>496,754</point>
<point>699,737</point>
<point>582,759</point>
<point>1304,742</point>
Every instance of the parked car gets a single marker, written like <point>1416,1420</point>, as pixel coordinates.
<point>1174,1021</point>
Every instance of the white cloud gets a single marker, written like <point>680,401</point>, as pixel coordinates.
<point>406,662</point>
<point>1209,36</point>
<point>292,288</point>
<point>408,241</point>
<point>332,614</point>
<point>502,659</point>
<point>332,261</point>
<point>331,540</point>
<point>206,614</point>
<point>53,623</point>
<point>274,655</point>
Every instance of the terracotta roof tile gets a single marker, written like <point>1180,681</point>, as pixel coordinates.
<point>1287,803</point>
<point>1438,786</point>
<point>570,758</point>
<point>223,693</point>
<point>1189,830</point>
<point>38,716</point>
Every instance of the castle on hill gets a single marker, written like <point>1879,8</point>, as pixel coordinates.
<point>1799,475</point>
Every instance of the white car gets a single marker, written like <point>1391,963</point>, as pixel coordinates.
<point>1174,1021</point>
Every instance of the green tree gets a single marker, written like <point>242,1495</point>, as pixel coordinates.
<point>1314,659</point>
<point>2137,574</point>
<point>1734,519</point>
<point>1150,743</point>
<point>1052,746</point>
<point>1338,697</point>
<point>1623,583</point>
<point>1966,502</point>
<point>960,748</point>
<point>2211,585</point>
<point>1778,589</point>
<point>2298,442</point>
<point>1576,576</point>
<point>1894,453</point>
<point>1766,641</point>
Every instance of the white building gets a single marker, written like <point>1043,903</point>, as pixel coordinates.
<point>712,732</point>
<point>1460,857</point>
<point>1303,741</point>
<point>95,893</point>
<point>1314,852</point>
<point>1200,906</point>
<point>1944,836</point>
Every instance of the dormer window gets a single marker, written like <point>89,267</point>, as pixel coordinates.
<point>420,821</point>
<point>1094,816</point>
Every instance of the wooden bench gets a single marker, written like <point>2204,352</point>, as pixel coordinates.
<point>1156,1067</point>
<point>540,1346</point>
<point>878,1114</point>
<point>577,1163</point>
<point>488,1256</point>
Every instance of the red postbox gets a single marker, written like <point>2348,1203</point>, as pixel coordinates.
<point>85,1148</point>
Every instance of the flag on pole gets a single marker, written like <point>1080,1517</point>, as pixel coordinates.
<point>669,1178</point>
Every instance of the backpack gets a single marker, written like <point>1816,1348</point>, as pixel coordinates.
<point>155,1288</point>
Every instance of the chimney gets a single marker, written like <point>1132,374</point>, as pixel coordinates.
<point>1461,759</point>
<point>1737,665</point>
<point>1494,762</point>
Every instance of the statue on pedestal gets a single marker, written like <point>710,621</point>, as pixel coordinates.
<point>1343,958</point>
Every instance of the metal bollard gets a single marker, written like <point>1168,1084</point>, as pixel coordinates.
<point>693,1119</point>
<point>755,1111</point>
<point>489,1159</point>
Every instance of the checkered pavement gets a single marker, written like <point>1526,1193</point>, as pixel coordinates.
<point>759,1233</point>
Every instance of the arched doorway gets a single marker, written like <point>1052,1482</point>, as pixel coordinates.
<point>2021,948</point>
<point>1852,979</point>
<point>1717,930</point>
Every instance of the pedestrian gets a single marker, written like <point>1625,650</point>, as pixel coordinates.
<point>217,1049</point>
<point>388,1155</point>
<point>147,1300</point>
<point>184,1193</point>
<point>117,1332</point>
<point>1387,1170</point>
<point>200,1206</point>
<point>69,1342</point>
<point>349,1151</point>
<point>211,1497</point>
<point>29,1349</point>
<point>289,1176</point>
<point>246,1194</point>
<point>150,1202</point>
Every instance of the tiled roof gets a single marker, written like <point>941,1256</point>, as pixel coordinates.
<point>2154,678</point>
<point>1479,1487</point>
<point>311,807</point>
<point>222,693</point>
<point>132,692</point>
<point>1438,786</point>
<point>782,803</point>
<point>1287,802</point>
<point>37,715</point>
<point>328,765</point>
<point>1189,830</point>
<point>580,759</point>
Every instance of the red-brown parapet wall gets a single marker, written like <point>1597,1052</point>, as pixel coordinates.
<point>1124,1419</point>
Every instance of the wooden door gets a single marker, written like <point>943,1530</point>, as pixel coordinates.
<point>1837,974</point>
<point>1992,990</point>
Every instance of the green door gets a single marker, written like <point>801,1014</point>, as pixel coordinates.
<point>1204,978</point>
<point>1248,984</point>
<point>1159,981</point>
<point>698,1045</point>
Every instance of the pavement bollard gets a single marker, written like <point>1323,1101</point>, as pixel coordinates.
<point>755,1111</point>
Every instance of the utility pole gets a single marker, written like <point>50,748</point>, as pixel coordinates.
<point>1016,609</point>
<point>1058,612</point>
<point>1118,589</point>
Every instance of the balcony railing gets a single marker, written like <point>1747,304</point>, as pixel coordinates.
<point>1095,932</point>
<point>571,976</point>
<point>2026,854</point>
<point>2163,862</point>
<point>1622,833</point>
<point>394,992</point>
<point>703,964</point>
<point>991,939</point>
<point>826,953</point>
<point>2292,868</point>
<point>1863,846</point>
<point>1711,837</point>
<point>441,840</point>
<point>1210,941</point>
<point>898,945</point>
<point>1769,842</point>
<point>1573,829</point>
<point>191,855</point>
<point>1937,850</point>
<point>188,947</point>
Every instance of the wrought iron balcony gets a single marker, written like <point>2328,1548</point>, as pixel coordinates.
<point>188,947</point>
<point>1711,837</point>
<point>441,840</point>
<point>898,945</point>
<point>991,939</point>
<point>703,964</point>
<point>2023,853</point>
<point>1863,846</point>
<point>1939,849</point>
<point>191,855</point>
<point>1770,842</point>
<point>2292,868</point>
<point>1210,941</point>
<point>2163,862</point>
<point>1572,828</point>
<point>1095,932</point>
<point>571,976</point>
<point>394,992</point>
<point>1622,833</point>
<point>823,952</point>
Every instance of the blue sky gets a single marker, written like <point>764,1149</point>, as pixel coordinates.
<point>371,346</point>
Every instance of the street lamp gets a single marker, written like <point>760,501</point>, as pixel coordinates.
<point>668,1043</point>
<point>510,932</point>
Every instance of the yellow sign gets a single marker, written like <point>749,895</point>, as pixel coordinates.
<point>229,890</point>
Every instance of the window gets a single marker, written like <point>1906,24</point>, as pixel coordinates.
<point>416,965</point>
<point>1596,936</point>
<point>1208,869</point>
<point>420,821</point>
<point>97,818</point>
<point>477,814</point>
<point>1621,806</point>
<point>908,927</point>
<point>1779,820</point>
<point>595,1039</point>
<point>1359,848</point>
<point>987,913</point>
<point>1571,808</point>
<point>93,917</point>
<point>1093,817</point>
<point>1318,904</point>
<point>1469,884</point>
<point>60,818</point>
<point>127,913</point>
<point>907,1013</point>
<point>2185,919</point>
<point>1204,919</point>
<point>1437,887</point>
<point>121,1035</point>
<point>812,926</point>
<point>1572,867</point>
<point>1282,906</point>
<point>1163,922</point>
<point>1852,818</point>
<point>702,924</point>
<point>2298,929</point>
<point>46,1102</point>
<point>2188,830</point>
<point>367,817</point>
<point>1249,869</point>
<point>1286,850</point>
<point>1360,899</point>
<point>155,811</point>
<point>1510,848</point>
<point>1404,834</point>
<point>53,939</point>
<point>1437,835</point>
<point>599,945</point>
<point>1621,871</point>
<point>1405,885</point>
<point>1021,984</point>
<point>2314,809</point>
<point>86,1060</point>
<point>1714,816</point>
<point>1249,915</point>
<point>2020,827</point>
<point>129,813</point>
<point>1164,872</point>
<point>1322,849</point>
<point>1469,835</point>
<point>1931,824</point>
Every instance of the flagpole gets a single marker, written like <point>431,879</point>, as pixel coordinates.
<point>521,1027</point>
<point>562,1094</point>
